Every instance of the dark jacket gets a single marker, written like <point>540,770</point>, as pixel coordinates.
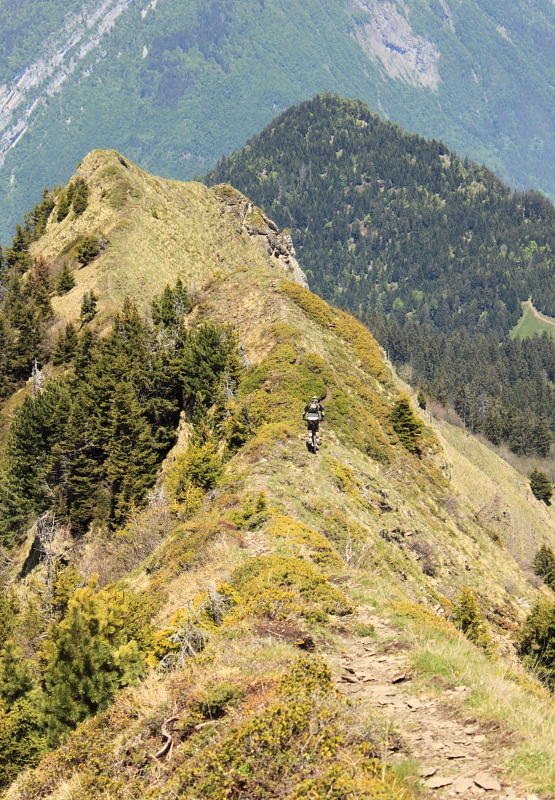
<point>320,409</point>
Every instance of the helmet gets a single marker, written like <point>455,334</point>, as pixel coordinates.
<point>315,397</point>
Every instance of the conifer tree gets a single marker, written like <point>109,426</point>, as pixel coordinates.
<point>89,656</point>
<point>406,425</point>
<point>41,213</point>
<point>163,309</point>
<point>88,307</point>
<point>66,346</point>
<point>9,609</point>
<point>541,486</point>
<point>80,198</point>
<point>544,565</point>
<point>537,641</point>
<point>85,351</point>
<point>22,743</point>
<point>88,250</point>
<point>25,342</point>
<point>78,462</point>
<point>40,290</point>
<point>467,617</point>
<point>65,280</point>
<point>64,204</point>
<point>35,429</point>
<point>131,461</point>
<point>542,437</point>
<point>16,679</point>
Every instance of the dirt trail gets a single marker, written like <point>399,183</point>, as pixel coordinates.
<point>459,756</point>
<point>538,314</point>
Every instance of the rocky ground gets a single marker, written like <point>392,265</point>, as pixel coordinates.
<point>458,755</point>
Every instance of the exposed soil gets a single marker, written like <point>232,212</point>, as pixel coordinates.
<point>459,755</point>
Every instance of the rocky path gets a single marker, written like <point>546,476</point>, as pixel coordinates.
<point>458,755</point>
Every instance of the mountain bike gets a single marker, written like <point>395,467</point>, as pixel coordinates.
<point>313,435</point>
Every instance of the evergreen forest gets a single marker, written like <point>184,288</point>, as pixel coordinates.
<point>432,251</point>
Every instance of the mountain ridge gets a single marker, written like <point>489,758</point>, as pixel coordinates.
<point>236,604</point>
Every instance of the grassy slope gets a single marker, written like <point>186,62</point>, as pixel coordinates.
<point>530,323</point>
<point>366,517</point>
<point>157,231</point>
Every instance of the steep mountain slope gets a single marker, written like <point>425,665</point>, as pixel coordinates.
<point>258,583</point>
<point>177,84</point>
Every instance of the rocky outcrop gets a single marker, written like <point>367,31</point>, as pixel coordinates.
<point>252,220</point>
<point>388,37</point>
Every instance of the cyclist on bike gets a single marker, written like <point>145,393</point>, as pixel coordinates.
<point>314,413</point>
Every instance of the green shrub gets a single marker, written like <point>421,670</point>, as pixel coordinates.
<point>192,474</point>
<point>536,641</point>
<point>88,656</point>
<point>298,578</point>
<point>468,618</point>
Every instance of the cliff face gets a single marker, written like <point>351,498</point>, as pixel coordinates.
<point>295,577</point>
<point>387,37</point>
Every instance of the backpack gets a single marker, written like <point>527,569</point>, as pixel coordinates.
<point>313,407</point>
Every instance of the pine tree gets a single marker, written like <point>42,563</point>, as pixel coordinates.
<point>421,399</point>
<point>65,280</point>
<point>66,346</point>
<point>64,204</point>
<point>25,342</point>
<point>544,565</point>
<point>88,307</point>
<point>22,742</point>
<point>163,309</point>
<point>131,461</point>
<point>80,198</point>
<point>78,463</point>
<point>493,425</point>
<point>467,617</point>
<point>16,679</point>
<point>406,425</point>
<point>89,656</point>
<point>35,429</point>
<point>40,291</point>
<point>88,250</point>
<point>9,609</point>
<point>541,486</point>
<point>537,641</point>
<point>85,352</point>
<point>542,437</point>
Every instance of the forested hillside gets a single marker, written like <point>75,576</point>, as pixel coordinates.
<point>194,600</point>
<point>176,84</point>
<point>432,250</point>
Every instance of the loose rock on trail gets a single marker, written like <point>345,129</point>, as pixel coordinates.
<point>459,755</point>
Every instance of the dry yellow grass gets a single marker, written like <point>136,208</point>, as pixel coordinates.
<point>158,230</point>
